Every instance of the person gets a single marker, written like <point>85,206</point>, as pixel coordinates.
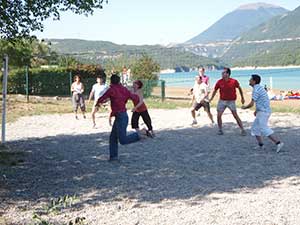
<point>119,95</point>
<point>97,91</point>
<point>262,114</point>
<point>124,76</point>
<point>77,89</point>
<point>140,109</point>
<point>201,72</point>
<point>200,99</point>
<point>227,87</point>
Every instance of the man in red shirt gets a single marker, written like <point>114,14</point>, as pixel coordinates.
<point>227,87</point>
<point>118,96</point>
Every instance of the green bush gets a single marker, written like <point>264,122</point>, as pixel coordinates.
<point>53,81</point>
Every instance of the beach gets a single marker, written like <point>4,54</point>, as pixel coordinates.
<point>185,175</point>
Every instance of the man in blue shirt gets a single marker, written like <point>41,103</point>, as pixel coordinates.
<point>263,112</point>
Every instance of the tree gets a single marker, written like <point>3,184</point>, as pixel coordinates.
<point>145,68</point>
<point>18,18</point>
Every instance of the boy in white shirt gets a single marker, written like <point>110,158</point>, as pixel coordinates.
<point>200,99</point>
<point>97,91</point>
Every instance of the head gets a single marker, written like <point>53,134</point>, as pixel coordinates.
<point>100,80</point>
<point>199,79</point>
<point>77,78</point>
<point>137,84</point>
<point>114,79</point>
<point>255,79</point>
<point>201,70</point>
<point>226,73</point>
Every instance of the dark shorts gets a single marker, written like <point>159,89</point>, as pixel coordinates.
<point>204,104</point>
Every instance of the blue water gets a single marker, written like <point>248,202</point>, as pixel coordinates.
<point>281,79</point>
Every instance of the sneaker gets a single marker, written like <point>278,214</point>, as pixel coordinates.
<point>76,117</point>
<point>279,147</point>
<point>84,117</point>
<point>113,159</point>
<point>150,134</point>
<point>94,125</point>
<point>243,133</point>
<point>220,132</point>
<point>194,122</point>
<point>258,147</point>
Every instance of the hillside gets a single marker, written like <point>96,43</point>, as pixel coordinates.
<point>276,42</point>
<point>233,24</point>
<point>110,54</point>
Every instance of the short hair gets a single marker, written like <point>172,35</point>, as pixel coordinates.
<point>228,70</point>
<point>201,67</point>
<point>256,78</point>
<point>139,83</point>
<point>114,79</point>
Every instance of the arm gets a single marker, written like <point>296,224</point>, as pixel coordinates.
<point>205,94</point>
<point>213,95</point>
<point>104,97</point>
<point>249,105</point>
<point>82,88</point>
<point>241,93</point>
<point>141,100</point>
<point>91,95</point>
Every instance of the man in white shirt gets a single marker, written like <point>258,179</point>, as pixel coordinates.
<point>97,91</point>
<point>200,99</point>
<point>262,113</point>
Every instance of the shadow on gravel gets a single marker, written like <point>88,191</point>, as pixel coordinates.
<point>177,164</point>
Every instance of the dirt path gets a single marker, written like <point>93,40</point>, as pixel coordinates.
<point>186,175</point>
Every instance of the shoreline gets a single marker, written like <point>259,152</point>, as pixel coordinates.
<point>265,67</point>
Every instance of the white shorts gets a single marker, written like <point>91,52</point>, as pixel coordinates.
<point>260,125</point>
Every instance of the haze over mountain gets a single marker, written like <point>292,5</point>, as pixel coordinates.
<point>275,42</point>
<point>233,24</point>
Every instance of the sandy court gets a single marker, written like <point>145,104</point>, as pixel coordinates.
<point>186,175</point>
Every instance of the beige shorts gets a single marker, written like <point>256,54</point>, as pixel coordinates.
<point>222,105</point>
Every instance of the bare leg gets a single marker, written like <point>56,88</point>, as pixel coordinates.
<point>193,114</point>
<point>209,115</point>
<point>273,139</point>
<point>238,120</point>
<point>219,118</point>
<point>259,140</point>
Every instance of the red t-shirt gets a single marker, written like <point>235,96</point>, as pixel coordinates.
<point>227,89</point>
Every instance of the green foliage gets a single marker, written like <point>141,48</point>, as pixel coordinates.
<point>29,52</point>
<point>145,68</point>
<point>53,81</point>
<point>19,17</point>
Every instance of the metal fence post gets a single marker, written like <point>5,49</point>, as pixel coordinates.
<point>4,92</point>
<point>163,90</point>
<point>27,84</point>
<point>70,76</point>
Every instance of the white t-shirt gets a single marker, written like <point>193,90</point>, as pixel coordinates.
<point>199,92</point>
<point>99,90</point>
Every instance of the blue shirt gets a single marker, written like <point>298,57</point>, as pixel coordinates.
<point>261,99</point>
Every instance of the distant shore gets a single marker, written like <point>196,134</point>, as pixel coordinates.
<point>266,67</point>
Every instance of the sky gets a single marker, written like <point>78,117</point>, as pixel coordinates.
<point>137,22</point>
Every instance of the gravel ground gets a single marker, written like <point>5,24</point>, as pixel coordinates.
<point>185,175</point>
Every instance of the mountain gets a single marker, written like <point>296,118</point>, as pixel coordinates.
<point>113,55</point>
<point>275,42</point>
<point>233,24</point>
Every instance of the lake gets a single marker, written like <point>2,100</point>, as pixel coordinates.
<point>280,79</point>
